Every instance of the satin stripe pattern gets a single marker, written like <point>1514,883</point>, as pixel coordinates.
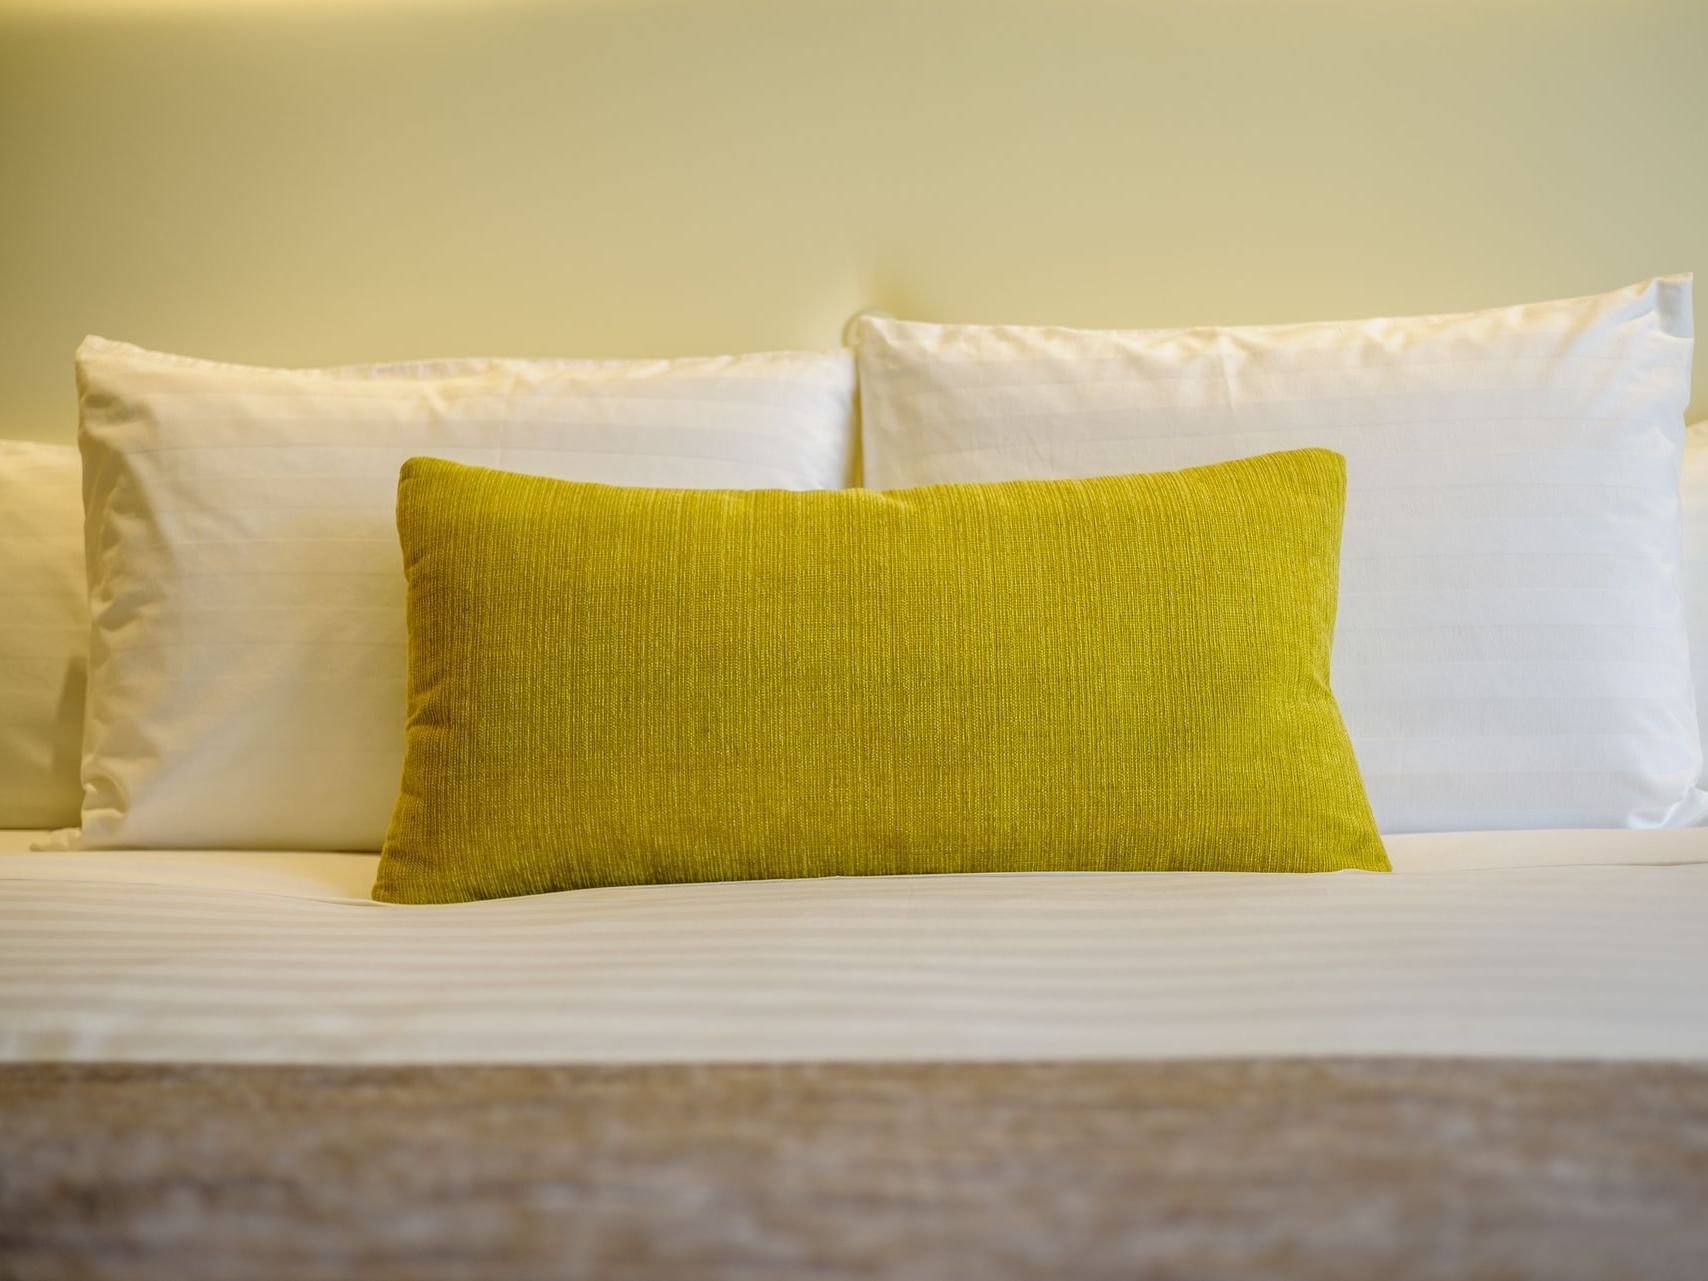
<point>1511,649</point>
<point>246,684</point>
<point>44,633</point>
<point>1578,945</point>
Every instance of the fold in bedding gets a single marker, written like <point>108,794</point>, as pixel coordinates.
<point>1523,945</point>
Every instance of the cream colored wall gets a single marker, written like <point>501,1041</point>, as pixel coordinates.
<point>315,182</point>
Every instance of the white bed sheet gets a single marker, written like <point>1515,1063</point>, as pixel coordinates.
<point>1527,944</point>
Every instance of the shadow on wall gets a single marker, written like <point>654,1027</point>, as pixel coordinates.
<point>306,183</point>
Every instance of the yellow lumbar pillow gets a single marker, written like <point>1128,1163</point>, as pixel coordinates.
<point>613,686</point>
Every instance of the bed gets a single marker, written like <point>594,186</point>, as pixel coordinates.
<point>220,1058</point>
<point>604,1045</point>
<point>1146,1074</point>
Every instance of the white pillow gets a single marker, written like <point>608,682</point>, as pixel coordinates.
<point>1511,650</point>
<point>247,652</point>
<point>44,633</point>
<point>1693,490</point>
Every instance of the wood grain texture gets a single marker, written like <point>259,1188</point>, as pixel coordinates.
<point>1278,1169</point>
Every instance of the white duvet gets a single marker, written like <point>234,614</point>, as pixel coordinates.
<point>1535,944</point>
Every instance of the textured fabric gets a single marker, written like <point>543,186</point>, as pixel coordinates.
<point>1241,1170</point>
<point>621,686</point>
<point>1511,651</point>
<point>44,633</point>
<point>247,665</point>
<point>1583,944</point>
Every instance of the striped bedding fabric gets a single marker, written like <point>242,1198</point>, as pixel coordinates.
<point>1488,1063</point>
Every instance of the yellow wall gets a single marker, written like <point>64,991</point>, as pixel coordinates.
<point>284,182</point>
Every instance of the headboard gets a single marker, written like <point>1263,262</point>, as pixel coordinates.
<point>302,181</point>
